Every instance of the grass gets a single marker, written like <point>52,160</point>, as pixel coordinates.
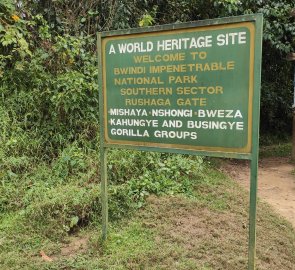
<point>276,150</point>
<point>204,231</point>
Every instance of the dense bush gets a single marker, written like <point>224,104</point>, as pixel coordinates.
<point>49,168</point>
<point>48,48</point>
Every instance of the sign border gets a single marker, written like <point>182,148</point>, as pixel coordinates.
<point>245,149</point>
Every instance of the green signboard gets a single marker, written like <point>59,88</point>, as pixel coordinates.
<point>185,89</point>
<point>191,88</point>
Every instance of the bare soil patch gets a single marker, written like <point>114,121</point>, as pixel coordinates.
<point>73,246</point>
<point>276,182</point>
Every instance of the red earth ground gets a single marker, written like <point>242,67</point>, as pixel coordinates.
<point>276,183</point>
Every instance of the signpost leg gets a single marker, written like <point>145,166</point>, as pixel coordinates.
<point>104,192</point>
<point>293,126</point>
<point>252,215</point>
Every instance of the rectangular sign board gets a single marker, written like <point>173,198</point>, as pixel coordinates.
<point>187,87</point>
<point>191,88</point>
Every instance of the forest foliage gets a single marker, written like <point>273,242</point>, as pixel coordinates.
<point>49,126</point>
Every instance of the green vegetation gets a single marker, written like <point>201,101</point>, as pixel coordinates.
<point>49,167</point>
<point>169,232</point>
<point>276,150</point>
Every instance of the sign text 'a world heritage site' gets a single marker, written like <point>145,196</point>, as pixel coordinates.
<point>183,89</point>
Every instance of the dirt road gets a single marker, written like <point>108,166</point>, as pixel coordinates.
<point>276,182</point>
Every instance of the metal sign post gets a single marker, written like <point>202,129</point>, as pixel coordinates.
<point>191,88</point>
<point>291,57</point>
